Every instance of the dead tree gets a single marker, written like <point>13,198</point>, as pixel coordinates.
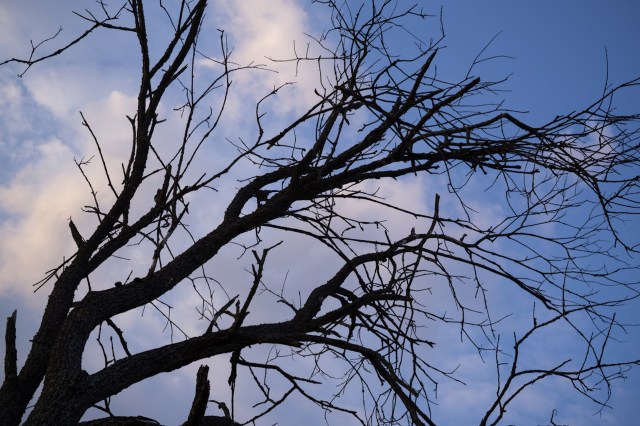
<point>377,117</point>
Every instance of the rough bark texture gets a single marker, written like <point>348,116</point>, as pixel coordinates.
<point>377,116</point>
<point>201,398</point>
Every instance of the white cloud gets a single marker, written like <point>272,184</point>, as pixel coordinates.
<point>260,31</point>
<point>66,89</point>
<point>40,197</point>
<point>38,202</point>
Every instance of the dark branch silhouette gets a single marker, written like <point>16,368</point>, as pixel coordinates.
<point>378,116</point>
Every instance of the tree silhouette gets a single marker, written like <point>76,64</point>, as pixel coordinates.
<point>378,116</point>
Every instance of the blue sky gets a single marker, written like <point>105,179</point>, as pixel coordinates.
<point>555,54</point>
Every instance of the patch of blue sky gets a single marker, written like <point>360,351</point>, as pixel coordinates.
<point>553,54</point>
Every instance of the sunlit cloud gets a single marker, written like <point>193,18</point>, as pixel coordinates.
<point>36,203</point>
<point>263,34</point>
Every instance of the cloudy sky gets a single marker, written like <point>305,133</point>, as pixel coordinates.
<point>558,56</point>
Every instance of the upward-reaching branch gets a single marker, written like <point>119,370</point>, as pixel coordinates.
<point>314,185</point>
<point>11,354</point>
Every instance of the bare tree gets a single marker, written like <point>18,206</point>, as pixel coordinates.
<point>377,116</point>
